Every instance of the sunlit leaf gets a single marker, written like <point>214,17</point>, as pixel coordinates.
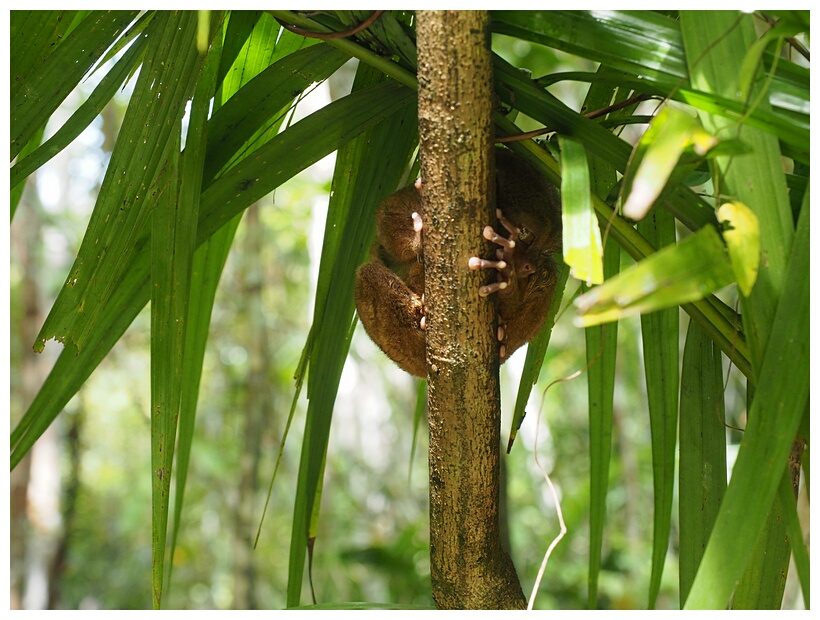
<point>741,232</point>
<point>649,47</point>
<point>752,60</point>
<point>582,236</point>
<point>678,274</point>
<point>715,44</point>
<point>659,150</point>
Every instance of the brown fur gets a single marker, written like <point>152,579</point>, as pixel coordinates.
<point>389,289</point>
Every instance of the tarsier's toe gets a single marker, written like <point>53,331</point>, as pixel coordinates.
<point>491,235</point>
<point>491,288</point>
<point>480,263</point>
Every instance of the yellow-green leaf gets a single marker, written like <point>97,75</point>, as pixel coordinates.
<point>583,251</point>
<point>675,275</point>
<point>742,236</point>
<point>659,150</point>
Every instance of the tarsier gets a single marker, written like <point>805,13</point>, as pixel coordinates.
<point>390,288</point>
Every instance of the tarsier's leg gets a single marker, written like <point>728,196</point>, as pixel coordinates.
<point>392,314</point>
<point>398,226</point>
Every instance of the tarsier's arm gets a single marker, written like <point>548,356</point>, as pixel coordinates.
<point>390,289</point>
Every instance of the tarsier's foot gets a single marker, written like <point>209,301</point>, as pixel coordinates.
<point>504,266</point>
<point>504,255</point>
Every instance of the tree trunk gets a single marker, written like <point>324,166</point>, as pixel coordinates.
<point>469,568</point>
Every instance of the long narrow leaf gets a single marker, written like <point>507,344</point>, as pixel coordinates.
<point>263,98</point>
<point>780,400</point>
<point>763,580</point>
<point>17,191</point>
<point>702,477</point>
<point>33,36</point>
<point>336,123</point>
<point>659,334</point>
<point>785,493</point>
<point>536,350</point>
<point>583,251</point>
<point>714,51</point>
<point>294,149</point>
<point>173,241</point>
<point>674,275</point>
<point>133,181</point>
<point>83,116</point>
<point>367,169</point>
<point>601,349</point>
<point>196,286</point>
<point>39,95</point>
<point>649,45</point>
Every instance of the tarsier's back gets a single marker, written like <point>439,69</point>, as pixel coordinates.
<point>389,289</point>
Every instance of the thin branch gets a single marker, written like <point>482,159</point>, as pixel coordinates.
<point>326,36</point>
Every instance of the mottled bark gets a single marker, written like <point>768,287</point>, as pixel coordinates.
<point>469,567</point>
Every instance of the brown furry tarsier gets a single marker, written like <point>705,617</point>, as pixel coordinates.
<point>390,288</point>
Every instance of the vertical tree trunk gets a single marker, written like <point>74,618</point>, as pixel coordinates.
<point>469,568</point>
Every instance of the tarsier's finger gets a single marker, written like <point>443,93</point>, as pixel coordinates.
<point>491,235</point>
<point>506,223</point>
<point>500,333</point>
<point>489,289</point>
<point>417,223</point>
<point>480,263</point>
